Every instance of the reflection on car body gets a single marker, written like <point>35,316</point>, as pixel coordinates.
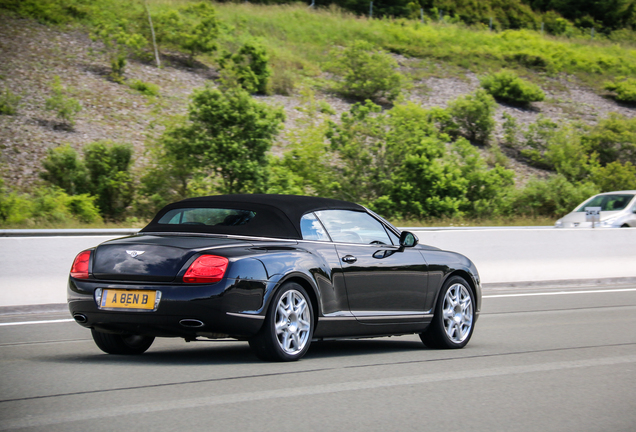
<point>618,210</point>
<point>278,271</point>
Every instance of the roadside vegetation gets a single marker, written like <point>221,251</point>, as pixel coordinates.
<point>412,164</point>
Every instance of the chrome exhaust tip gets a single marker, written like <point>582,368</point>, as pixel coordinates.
<point>191,323</point>
<point>80,318</point>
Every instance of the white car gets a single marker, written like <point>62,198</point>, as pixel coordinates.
<point>618,210</point>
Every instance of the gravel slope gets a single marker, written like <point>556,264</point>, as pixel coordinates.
<point>31,54</point>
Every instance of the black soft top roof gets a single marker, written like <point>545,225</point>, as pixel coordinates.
<point>277,216</point>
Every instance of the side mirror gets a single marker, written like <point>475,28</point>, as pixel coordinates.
<point>408,239</point>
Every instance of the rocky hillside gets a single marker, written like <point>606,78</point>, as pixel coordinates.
<point>32,54</point>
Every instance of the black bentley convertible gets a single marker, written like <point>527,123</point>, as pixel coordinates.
<point>278,271</point>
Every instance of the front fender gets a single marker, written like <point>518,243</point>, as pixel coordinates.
<point>443,265</point>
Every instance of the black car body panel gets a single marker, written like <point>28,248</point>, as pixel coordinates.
<point>356,289</point>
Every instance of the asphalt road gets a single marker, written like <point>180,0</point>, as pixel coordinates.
<point>542,359</point>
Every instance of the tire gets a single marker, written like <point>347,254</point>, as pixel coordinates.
<point>454,319</point>
<point>122,344</point>
<point>288,328</point>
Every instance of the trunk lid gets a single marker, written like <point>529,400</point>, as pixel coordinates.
<point>151,258</point>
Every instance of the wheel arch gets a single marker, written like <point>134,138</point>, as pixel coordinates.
<point>302,280</point>
<point>468,277</point>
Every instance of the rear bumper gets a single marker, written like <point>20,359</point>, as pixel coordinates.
<point>230,308</point>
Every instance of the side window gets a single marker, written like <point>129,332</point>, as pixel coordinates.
<point>311,228</point>
<point>353,227</point>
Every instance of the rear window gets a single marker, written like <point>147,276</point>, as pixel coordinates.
<point>608,202</point>
<point>207,216</point>
<point>243,219</point>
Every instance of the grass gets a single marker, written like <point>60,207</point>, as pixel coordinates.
<point>482,222</point>
<point>299,39</point>
<point>307,35</point>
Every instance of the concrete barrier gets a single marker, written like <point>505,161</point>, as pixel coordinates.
<point>527,255</point>
<point>34,270</point>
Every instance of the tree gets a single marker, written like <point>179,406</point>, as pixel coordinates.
<point>108,165</point>
<point>224,144</point>
<point>306,166</point>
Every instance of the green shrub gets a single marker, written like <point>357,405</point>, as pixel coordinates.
<point>540,132</point>
<point>14,208</point>
<point>144,88</point>
<point>566,154</point>
<point>450,184</point>
<point>200,38</point>
<point>615,176</point>
<point>624,90</point>
<point>84,208</point>
<point>559,148</point>
<point>53,205</point>
<point>612,139</point>
<point>511,131</point>
<point>65,107</point>
<point>507,86</point>
<point>64,169</point>
<point>103,173</point>
<point>249,67</point>
<point>367,72</point>
<point>555,196</point>
<point>49,204</point>
<point>46,205</point>
<point>472,115</point>
<point>529,60</point>
<point>120,40</point>
<point>9,102</point>
<point>45,11</point>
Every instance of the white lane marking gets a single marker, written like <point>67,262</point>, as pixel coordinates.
<point>295,392</point>
<point>559,293</point>
<point>36,322</point>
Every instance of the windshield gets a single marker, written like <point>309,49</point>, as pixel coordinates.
<point>607,202</point>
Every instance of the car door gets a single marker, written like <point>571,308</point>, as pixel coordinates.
<point>384,283</point>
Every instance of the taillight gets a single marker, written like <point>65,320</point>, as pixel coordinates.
<point>79,270</point>
<point>206,269</point>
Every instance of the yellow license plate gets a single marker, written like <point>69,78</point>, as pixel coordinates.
<point>128,299</point>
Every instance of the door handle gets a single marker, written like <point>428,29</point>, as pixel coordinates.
<point>349,259</point>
